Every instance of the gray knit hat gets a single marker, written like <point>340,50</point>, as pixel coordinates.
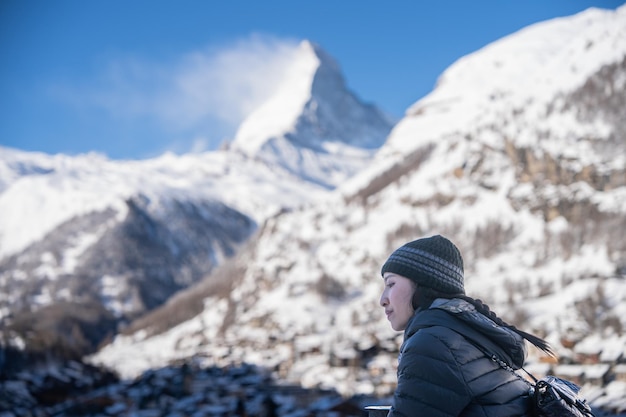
<point>432,262</point>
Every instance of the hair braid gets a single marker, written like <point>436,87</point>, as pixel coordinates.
<point>424,297</point>
<point>485,310</point>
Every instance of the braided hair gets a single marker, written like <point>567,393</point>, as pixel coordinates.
<point>423,297</point>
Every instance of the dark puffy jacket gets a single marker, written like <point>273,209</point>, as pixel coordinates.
<point>442,374</point>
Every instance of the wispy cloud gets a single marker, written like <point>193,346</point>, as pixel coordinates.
<point>217,85</point>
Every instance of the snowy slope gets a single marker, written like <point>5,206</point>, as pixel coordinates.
<point>127,233</point>
<point>517,156</point>
<point>43,191</point>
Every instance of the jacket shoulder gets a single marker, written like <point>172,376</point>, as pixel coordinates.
<point>479,330</point>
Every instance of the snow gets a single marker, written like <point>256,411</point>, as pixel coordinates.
<point>72,254</point>
<point>280,113</point>
<point>313,126</point>
<point>157,351</point>
<point>82,185</point>
<point>112,290</point>
<point>539,58</point>
<point>613,349</point>
<point>23,220</point>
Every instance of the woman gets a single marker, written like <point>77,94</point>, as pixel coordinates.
<point>444,368</point>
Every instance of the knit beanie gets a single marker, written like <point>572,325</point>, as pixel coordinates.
<point>432,262</point>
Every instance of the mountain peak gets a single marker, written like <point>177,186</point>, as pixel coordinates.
<point>313,125</point>
<point>279,113</point>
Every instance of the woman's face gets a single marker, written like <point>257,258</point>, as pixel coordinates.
<point>396,299</point>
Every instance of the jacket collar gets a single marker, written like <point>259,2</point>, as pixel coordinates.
<point>462,317</point>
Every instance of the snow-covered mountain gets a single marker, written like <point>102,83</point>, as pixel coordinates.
<point>518,155</point>
<point>123,236</point>
<point>313,126</point>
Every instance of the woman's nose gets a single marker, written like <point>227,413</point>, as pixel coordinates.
<point>383,300</point>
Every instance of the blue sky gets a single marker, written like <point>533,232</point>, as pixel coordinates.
<point>133,79</point>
